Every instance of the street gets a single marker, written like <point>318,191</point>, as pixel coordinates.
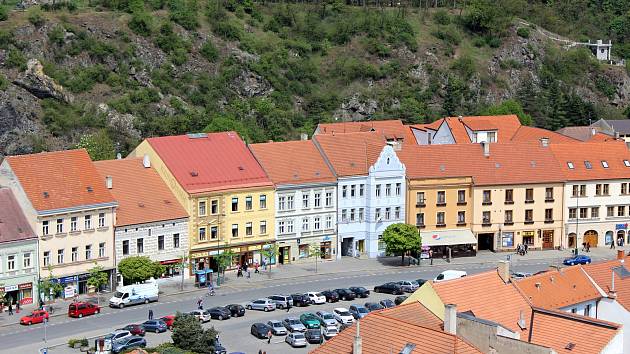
<point>234,333</point>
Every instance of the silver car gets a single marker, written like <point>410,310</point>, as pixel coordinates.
<point>281,301</point>
<point>326,318</point>
<point>262,305</point>
<point>296,339</point>
<point>330,331</point>
<point>277,328</point>
<point>293,324</point>
<point>408,286</point>
<point>359,311</point>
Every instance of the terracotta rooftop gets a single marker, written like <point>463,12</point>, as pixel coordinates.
<point>559,288</point>
<point>414,313</point>
<point>381,334</point>
<point>13,223</point>
<point>60,179</point>
<point>142,195</point>
<point>351,154</point>
<point>532,134</point>
<point>602,273</point>
<point>293,162</point>
<point>209,162</point>
<point>505,125</point>
<point>391,129</point>
<point>585,133</point>
<point>613,153</point>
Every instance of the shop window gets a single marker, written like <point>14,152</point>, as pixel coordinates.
<point>303,251</point>
<point>161,243</point>
<point>528,240</point>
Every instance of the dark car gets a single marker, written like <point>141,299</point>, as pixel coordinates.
<point>400,299</point>
<point>579,259</point>
<point>128,343</point>
<point>260,330</point>
<point>236,310</point>
<point>387,303</point>
<point>134,329</point>
<point>346,294</point>
<point>300,300</point>
<point>373,306</point>
<point>157,326</point>
<point>331,295</point>
<point>389,288</point>
<point>314,336</point>
<point>360,291</point>
<point>219,313</point>
<point>420,281</point>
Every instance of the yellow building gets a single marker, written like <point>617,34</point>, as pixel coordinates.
<point>228,196</point>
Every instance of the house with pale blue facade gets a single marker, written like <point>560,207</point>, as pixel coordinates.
<point>370,189</point>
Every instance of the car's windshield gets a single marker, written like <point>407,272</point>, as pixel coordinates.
<point>362,309</point>
<point>298,336</point>
<point>343,313</point>
<point>118,294</point>
<point>328,316</point>
<point>276,324</point>
<point>293,321</point>
<point>319,294</point>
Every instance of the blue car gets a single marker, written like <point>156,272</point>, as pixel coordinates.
<point>157,326</point>
<point>579,259</point>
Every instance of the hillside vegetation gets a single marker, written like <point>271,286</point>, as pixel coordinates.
<point>128,69</point>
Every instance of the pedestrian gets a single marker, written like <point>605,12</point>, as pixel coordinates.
<point>259,351</point>
<point>526,247</point>
<point>17,307</point>
<point>288,306</point>
<point>583,246</point>
<point>150,314</point>
<point>612,245</point>
<point>256,268</point>
<point>269,337</point>
<point>431,256</point>
<point>200,304</point>
<point>264,264</point>
<point>588,247</point>
<point>249,273</point>
<point>10,309</point>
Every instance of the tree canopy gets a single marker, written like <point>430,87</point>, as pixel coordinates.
<point>401,238</point>
<point>138,269</point>
<point>189,335</point>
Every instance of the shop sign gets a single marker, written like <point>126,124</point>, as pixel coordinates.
<point>68,292</point>
<point>83,276</point>
<point>10,288</point>
<point>326,238</point>
<point>621,226</point>
<point>199,254</point>
<point>26,301</point>
<point>25,286</point>
<point>66,280</point>
<point>236,249</point>
<point>527,233</point>
<point>254,247</point>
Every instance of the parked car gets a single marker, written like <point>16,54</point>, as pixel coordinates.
<point>387,303</point>
<point>200,315</point>
<point>80,309</point>
<point>579,259</point>
<point>169,320</point>
<point>400,299</point>
<point>260,330</point>
<point>449,275</point>
<point>358,311</point>
<point>261,304</point>
<point>373,306</point>
<point>134,329</point>
<point>330,331</point>
<point>360,291</point>
<point>293,324</point>
<point>118,335</point>
<point>155,326</point>
<point>277,328</point>
<point>389,288</point>
<point>236,310</point>
<point>346,294</point>
<point>316,298</point>
<point>343,316</point>
<point>124,344</point>
<point>408,286</point>
<point>314,336</point>
<point>300,300</point>
<point>296,340</point>
<point>281,301</point>
<point>37,316</point>
<point>219,313</point>
<point>309,320</point>
<point>330,295</point>
<point>326,318</point>
<point>520,275</point>
<point>421,282</point>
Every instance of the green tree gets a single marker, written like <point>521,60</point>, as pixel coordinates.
<point>224,259</point>
<point>98,145</point>
<point>401,238</point>
<point>315,251</point>
<point>138,269</point>
<point>509,107</point>
<point>50,288</point>
<point>270,252</point>
<point>97,278</point>
<point>189,335</point>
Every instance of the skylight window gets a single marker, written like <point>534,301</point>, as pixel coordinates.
<point>588,165</point>
<point>626,162</point>
<point>570,164</point>
<point>605,164</point>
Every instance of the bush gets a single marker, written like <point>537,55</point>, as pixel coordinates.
<point>441,17</point>
<point>209,51</point>
<point>4,83</point>
<point>464,66</point>
<point>4,13</point>
<point>189,335</point>
<point>510,63</point>
<point>448,35</point>
<point>141,23</point>
<point>35,17</point>
<point>15,59</point>
<point>99,146</point>
<point>523,32</point>
<point>6,39</point>
<point>479,42</point>
<point>56,35</point>
<point>184,13</point>
<point>227,30</point>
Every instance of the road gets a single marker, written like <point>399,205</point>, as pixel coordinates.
<point>234,333</point>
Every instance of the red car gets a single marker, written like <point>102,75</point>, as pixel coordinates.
<point>169,321</point>
<point>135,329</point>
<point>37,316</point>
<point>80,309</point>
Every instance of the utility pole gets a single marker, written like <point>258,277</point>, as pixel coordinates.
<point>181,287</point>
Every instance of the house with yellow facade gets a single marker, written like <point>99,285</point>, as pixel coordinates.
<point>228,196</point>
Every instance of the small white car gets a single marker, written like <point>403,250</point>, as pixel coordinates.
<point>316,298</point>
<point>450,275</point>
<point>277,328</point>
<point>201,315</point>
<point>296,339</point>
<point>118,335</point>
<point>261,304</point>
<point>343,316</point>
<point>330,331</point>
<point>408,286</point>
<point>326,318</point>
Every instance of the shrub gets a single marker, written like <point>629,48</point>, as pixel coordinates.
<point>523,32</point>
<point>184,13</point>
<point>6,38</point>
<point>493,42</point>
<point>56,35</point>
<point>4,83</point>
<point>209,51</point>
<point>441,17</point>
<point>464,66</point>
<point>510,63</point>
<point>448,35</point>
<point>141,23</point>
<point>479,42</point>
<point>15,59</point>
<point>4,13</point>
<point>376,47</point>
<point>227,30</point>
<point>35,17</point>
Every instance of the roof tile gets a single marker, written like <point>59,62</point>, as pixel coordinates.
<point>351,154</point>
<point>559,288</point>
<point>13,223</point>
<point>613,153</point>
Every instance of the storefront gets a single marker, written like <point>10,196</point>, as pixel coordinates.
<point>78,283</point>
<point>172,268</point>
<point>528,238</point>
<point>302,248</point>
<point>14,293</point>
<point>242,254</point>
<point>453,243</point>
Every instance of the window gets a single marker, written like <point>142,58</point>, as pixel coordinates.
<point>441,197</point>
<point>161,243</point>
<point>361,189</point>
<point>317,200</point>
<point>125,247</point>
<point>214,232</point>
<point>175,240</point>
<point>11,262</point>
<point>388,213</point>
<point>75,254</point>
<point>234,230</point>
<point>45,230</point>
<point>329,198</point>
<point>570,165</point>
<point>487,197</point>
<point>388,190</point>
<point>73,224</point>
<point>377,214</point>
<point>88,251</point>
<point>263,201</point>
<point>317,223</point>
<point>352,215</point>
<point>249,205</point>
<point>46,258</point>
<point>59,226</point>
<point>59,256</point>
<point>583,213</point>
<point>420,198</point>
<point>582,190</point>
<point>610,211</point>
<point>249,229</point>
<point>305,224</point>
<point>397,213</point>
<point>140,245</point>
<point>344,215</point>
<point>290,202</point>
<point>605,164</point>
<point>263,227</point>
<point>529,195</point>
<point>378,190</point>
<point>461,217</point>
<point>485,217</point>
<point>420,219</point>
<point>509,196</point>
<point>101,220</point>
<point>549,214</point>
<point>202,208</point>
<point>549,194</point>
<point>606,189</point>
<point>398,188</point>
<point>87,220</point>
<point>624,188</point>
<point>361,216</point>
<point>587,308</point>
<point>235,204</point>
<point>509,217</point>
<point>461,196</point>
<point>594,212</point>
<point>26,260</point>
<point>529,215</point>
<point>282,202</point>
<point>305,200</point>
<point>598,189</point>
<point>621,210</point>
<point>329,223</point>
<point>344,191</point>
<point>290,226</point>
<point>588,165</point>
<point>492,137</point>
<point>626,163</point>
<point>214,207</point>
<point>575,190</point>
<point>440,218</point>
<point>353,191</point>
<point>101,249</point>
<point>202,234</point>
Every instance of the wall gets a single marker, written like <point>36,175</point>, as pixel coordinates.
<point>149,233</point>
<point>21,274</point>
<point>612,311</point>
<point>443,135</point>
<point>430,187</point>
<point>351,229</point>
<point>616,345</point>
<point>581,307</point>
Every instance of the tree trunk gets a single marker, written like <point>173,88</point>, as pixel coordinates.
<point>402,261</point>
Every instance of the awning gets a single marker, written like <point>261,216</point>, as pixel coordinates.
<point>447,237</point>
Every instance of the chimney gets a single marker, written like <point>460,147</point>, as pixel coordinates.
<point>504,271</point>
<point>303,136</point>
<point>450,319</point>
<point>118,156</point>
<point>146,162</point>
<point>593,131</point>
<point>109,182</point>
<point>357,347</point>
<point>486,148</point>
<point>619,254</point>
<point>544,141</point>
<point>616,135</point>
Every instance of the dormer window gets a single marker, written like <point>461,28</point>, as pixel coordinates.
<point>588,165</point>
<point>604,164</point>
<point>626,162</point>
<point>570,165</point>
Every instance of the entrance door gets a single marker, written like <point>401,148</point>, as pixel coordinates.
<point>547,239</point>
<point>346,246</point>
<point>361,246</point>
<point>572,240</point>
<point>285,253</point>
<point>486,241</point>
<point>590,237</point>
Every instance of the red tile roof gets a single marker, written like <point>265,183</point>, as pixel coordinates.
<point>60,179</point>
<point>613,152</point>
<point>505,125</point>
<point>557,289</point>
<point>351,154</point>
<point>602,273</point>
<point>210,162</point>
<point>585,133</point>
<point>13,223</point>
<point>414,313</point>
<point>293,162</point>
<point>388,128</point>
<point>142,195</point>
<point>533,134</point>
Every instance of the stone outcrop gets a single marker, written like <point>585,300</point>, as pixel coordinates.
<point>356,108</point>
<point>40,85</point>
<point>249,84</point>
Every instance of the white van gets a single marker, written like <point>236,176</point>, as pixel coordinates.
<point>135,294</point>
<point>449,275</point>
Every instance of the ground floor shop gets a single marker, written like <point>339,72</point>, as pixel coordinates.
<point>173,268</point>
<point>351,245</point>
<point>597,234</point>
<point>448,244</point>
<point>292,250</point>
<point>18,290</point>
<point>202,260</point>
<point>78,284</point>
<point>535,239</point>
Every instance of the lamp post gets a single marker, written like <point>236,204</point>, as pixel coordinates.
<point>577,219</point>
